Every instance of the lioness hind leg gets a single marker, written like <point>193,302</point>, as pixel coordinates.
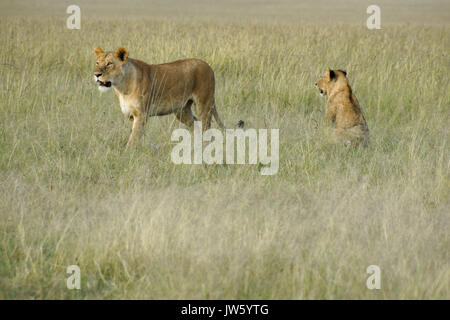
<point>206,119</point>
<point>204,109</point>
<point>185,115</point>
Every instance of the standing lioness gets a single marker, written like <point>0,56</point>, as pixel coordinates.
<point>145,90</point>
<point>343,112</point>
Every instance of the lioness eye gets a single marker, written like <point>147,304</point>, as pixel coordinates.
<point>108,64</point>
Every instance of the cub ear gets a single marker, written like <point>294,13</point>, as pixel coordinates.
<point>331,73</point>
<point>122,54</point>
<point>344,72</point>
<point>98,51</point>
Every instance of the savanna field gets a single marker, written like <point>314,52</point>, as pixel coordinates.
<point>141,227</point>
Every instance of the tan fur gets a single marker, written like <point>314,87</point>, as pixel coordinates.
<point>145,90</point>
<point>343,112</point>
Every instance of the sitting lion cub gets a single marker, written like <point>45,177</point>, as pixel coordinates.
<point>145,90</point>
<point>343,112</point>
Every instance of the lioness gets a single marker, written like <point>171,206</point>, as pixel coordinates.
<point>145,90</point>
<point>343,112</point>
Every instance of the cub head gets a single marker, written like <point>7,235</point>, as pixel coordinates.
<point>109,67</point>
<point>328,80</point>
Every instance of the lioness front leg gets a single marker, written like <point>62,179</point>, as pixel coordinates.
<point>137,129</point>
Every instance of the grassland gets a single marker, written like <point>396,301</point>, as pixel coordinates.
<point>141,227</point>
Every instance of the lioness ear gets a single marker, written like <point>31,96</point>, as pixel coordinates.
<point>98,51</point>
<point>344,72</point>
<point>122,54</point>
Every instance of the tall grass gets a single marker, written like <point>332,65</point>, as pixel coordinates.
<point>141,227</point>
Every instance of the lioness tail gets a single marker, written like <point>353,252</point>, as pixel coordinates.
<point>216,116</point>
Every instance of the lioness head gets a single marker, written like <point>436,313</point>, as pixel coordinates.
<point>109,67</point>
<point>328,80</point>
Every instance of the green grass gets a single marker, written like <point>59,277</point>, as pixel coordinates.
<point>141,227</point>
